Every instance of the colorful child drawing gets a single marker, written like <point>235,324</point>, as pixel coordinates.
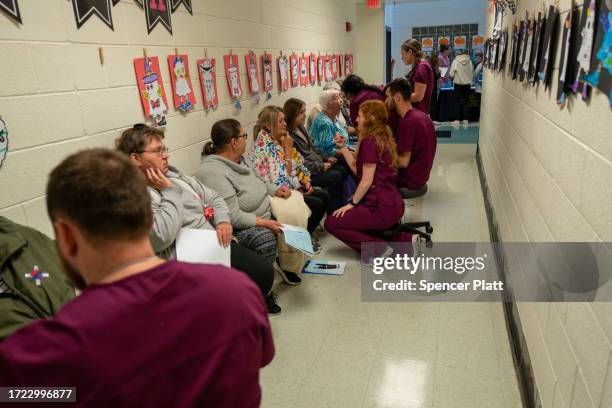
<point>304,70</point>
<point>283,72</point>
<point>183,96</point>
<point>3,141</point>
<point>232,74</point>
<point>328,68</point>
<point>587,35</point>
<point>208,82</point>
<point>266,62</point>
<point>320,68</point>
<point>151,87</point>
<point>252,72</point>
<point>295,71</point>
<point>313,69</point>
<point>601,64</point>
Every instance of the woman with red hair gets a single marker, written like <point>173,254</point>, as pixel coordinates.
<point>377,204</point>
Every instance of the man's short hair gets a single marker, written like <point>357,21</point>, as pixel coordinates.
<point>137,138</point>
<point>402,86</point>
<point>103,193</point>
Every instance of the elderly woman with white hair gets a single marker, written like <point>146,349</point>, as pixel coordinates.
<point>326,126</point>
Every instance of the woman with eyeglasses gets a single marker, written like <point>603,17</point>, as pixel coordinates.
<point>224,170</point>
<point>180,201</point>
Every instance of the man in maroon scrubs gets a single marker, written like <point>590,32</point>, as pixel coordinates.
<point>415,135</point>
<point>145,331</point>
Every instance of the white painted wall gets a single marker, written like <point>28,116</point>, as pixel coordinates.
<point>57,98</point>
<point>549,171</point>
<point>370,47</point>
<point>426,13</point>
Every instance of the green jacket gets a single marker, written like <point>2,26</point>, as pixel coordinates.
<point>22,249</point>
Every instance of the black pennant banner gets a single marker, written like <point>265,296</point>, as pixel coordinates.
<point>12,8</point>
<point>177,3</point>
<point>83,9</point>
<point>158,11</point>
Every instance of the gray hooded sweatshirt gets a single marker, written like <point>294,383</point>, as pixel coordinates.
<point>462,70</point>
<point>182,205</point>
<point>245,194</point>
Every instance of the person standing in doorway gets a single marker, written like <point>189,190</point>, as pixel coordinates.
<point>462,73</point>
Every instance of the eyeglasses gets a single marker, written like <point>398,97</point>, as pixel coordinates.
<point>160,151</point>
<point>245,135</point>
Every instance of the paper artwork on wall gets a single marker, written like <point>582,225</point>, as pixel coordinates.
<point>334,67</point>
<point>460,42</point>
<point>427,44</point>
<point>313,69</point>
<point>304,69</point>
<point>340,59</point>
<point>503,45</point>
<point>565,66</point>
<point>182,92</point>
<point>516,48</point>
<point>252,72</point>
<point>186,3</point>
<point>266,63</point>
<point>526,55</point>
<point>151,89</point>
<point>535,50</point>
<point>3,141</point>
<point>232,75</point>
<point>348,64</point>
<point>158,11</point>
<point>284,73</point>
<point>207,68</point>
<point>83,9</point>
<point>443,41</point>
<point>585,46</point>
<point>477,42</point>
<point>328,68</point>
<point>548,47</point>
<point>321,67</point>
<point>12,9</point>
<point>295,70</point>
<point>601,63</point>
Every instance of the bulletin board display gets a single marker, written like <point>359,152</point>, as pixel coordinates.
<point>429,36</point>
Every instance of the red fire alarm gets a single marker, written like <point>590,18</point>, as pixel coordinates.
<point>349,27</point>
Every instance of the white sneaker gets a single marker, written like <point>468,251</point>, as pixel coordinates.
<point>388,252</point>
<point>465,123</point>
<point>455,124</point>
<point>417,244</point>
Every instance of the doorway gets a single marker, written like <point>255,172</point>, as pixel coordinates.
<point>389,66</point>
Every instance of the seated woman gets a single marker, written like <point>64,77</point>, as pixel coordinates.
<point>224,170</point>
<point>344,117</point>
<point>181,201</point>
<point>358,92</point>
<point>276,161</point>
<point>323,173</point>
<point>377,204</point>
<point>326,127</point>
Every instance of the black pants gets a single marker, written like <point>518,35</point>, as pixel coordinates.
<point>462,93</point>
<point>255,266</point>
<point>331,181</point>
<point>318,202</point>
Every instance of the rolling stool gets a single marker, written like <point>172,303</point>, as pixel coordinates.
<point>413,227</point>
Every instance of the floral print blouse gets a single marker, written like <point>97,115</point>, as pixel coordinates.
<point>268,161</point>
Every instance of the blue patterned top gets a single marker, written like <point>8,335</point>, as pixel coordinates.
<point>323,131</point>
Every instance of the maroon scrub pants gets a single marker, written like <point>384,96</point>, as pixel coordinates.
<point>365,224</point>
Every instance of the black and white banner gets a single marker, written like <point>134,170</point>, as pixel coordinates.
<point>187,3</point>
<point>83,9</point>
<point>12,8</point>
<point>158,11</point>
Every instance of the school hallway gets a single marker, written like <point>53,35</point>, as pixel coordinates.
<point>332,350</point>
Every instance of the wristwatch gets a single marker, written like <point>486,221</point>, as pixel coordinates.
<point>352,203</point>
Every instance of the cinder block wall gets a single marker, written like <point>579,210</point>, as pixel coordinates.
<point>550,173</point>
<point>57,98</point>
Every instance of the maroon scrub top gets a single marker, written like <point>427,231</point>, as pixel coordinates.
<point>383,191</point>
<point>424,75</point>
<point>177,335</point>
<point>416,133</point>
<point>363,96</point>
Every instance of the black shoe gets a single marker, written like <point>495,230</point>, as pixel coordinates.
<point>273,308</point>
<point>290,278</point>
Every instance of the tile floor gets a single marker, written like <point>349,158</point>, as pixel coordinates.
<point>334,351</point>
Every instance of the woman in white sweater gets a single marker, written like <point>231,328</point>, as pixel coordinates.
<point>462,72</point>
